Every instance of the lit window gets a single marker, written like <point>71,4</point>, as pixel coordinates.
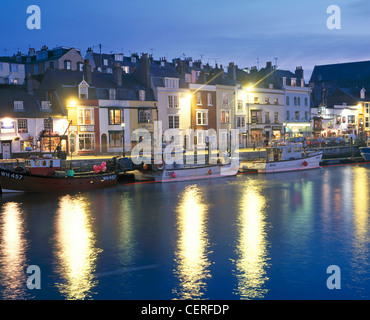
<point>85,116</point>
<point>202,117</point>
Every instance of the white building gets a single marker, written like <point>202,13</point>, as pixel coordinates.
<point>11,71</point>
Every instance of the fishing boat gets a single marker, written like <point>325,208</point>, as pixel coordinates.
<point>165,172</point>
<point>45,175</point>
<point>285,157</point>
<point>365,151</point>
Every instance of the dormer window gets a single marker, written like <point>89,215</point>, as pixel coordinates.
<point>83,90</point>
<point>112,94</point>
<point>18,105</point>
<point>171,82</point>
<point>133,59</point>
<point>142,95</point>
<point>293,82</point>
<point>45,105</point>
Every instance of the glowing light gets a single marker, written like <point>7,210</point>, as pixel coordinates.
<point>72,103</point>
<point>76,249</point>
<point>12,252</point>
<point>252,244</point>
<point>192,256</point>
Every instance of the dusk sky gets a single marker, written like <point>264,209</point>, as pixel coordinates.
<point>294,32</point>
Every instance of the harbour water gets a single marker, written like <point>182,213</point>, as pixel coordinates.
<point>246,237</point>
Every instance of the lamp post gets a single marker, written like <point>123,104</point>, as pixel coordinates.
<point>123,138</point>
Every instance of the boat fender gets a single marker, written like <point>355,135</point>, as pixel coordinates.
<point>160,165</point>
<point>305,163</point>
<point>173,175</point>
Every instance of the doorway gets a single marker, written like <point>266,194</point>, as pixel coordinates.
<point>6,150</point>
<point>104,143</point>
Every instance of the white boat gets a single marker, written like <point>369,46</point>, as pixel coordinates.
<point>163,172</point>
<point>287,157</point>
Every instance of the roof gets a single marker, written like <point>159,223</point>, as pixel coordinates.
<point>66,82</point>
<point>31,104</point>
<point>342,72</point>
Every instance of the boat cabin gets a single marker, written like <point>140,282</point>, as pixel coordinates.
<point>284,152</point>
<point>45,166</point>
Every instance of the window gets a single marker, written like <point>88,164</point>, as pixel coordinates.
<point>173,101</point>
<point>299,101</point>
<point>267,117</point>
<point>240,105</point>
<point>126,69</point>
<point>256,116</point>
<point>85,116</point>
<point>142,95</point>
<point>18,105</point>
<point>288,115</point>
<point>209,99</point>
<point>287,101</point>
<point>199,98</point>
<point>115,139</point>
<point>105,62</point>
<point>1,66</point>
<point>276,117</point>
<point>351,119</point>
<point>171,83</point>
<point>173,122</point>
<point>225,98</point>
<point>13,68</point>
<point>36,69</point>
<point>51,65</point>
<point>306,115</point>
<point>256,100</point>
<point>267,100</point>
<point>115,116</point>
<point>45,105</point>
<point>240,121</point>
<point>295,101</point>
<point>276,101</point>
<point>80,66</point>
<point>306,102</point>
<point>67,65</point>
<point>296,116</point>
<point>112,94</point>
<point>22,126</point>
<point>86,141</point>
<point>48,124</point>
<point>145,116</point>
<point>293,82</point>
<point>202,117</point>
<point>225,116</point>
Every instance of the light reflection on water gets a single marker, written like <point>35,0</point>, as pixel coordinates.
<point>252,247</point>
<point>192,262</point>
<point>252,237</point>
<point>75,248</point>
<point>12,252</point>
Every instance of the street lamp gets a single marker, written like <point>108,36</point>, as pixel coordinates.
<point>123,138</point>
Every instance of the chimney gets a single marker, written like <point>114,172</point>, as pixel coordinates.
<point>269,65</point>
<point>117,74</point>
<point>87,71</point>
<point>29,84</point>
<point>180,68</point>
<point>231,70</point>
<point>299,73</point>
<point>143,71</point>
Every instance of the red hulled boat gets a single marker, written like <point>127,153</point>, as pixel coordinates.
<point>44,175</point>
